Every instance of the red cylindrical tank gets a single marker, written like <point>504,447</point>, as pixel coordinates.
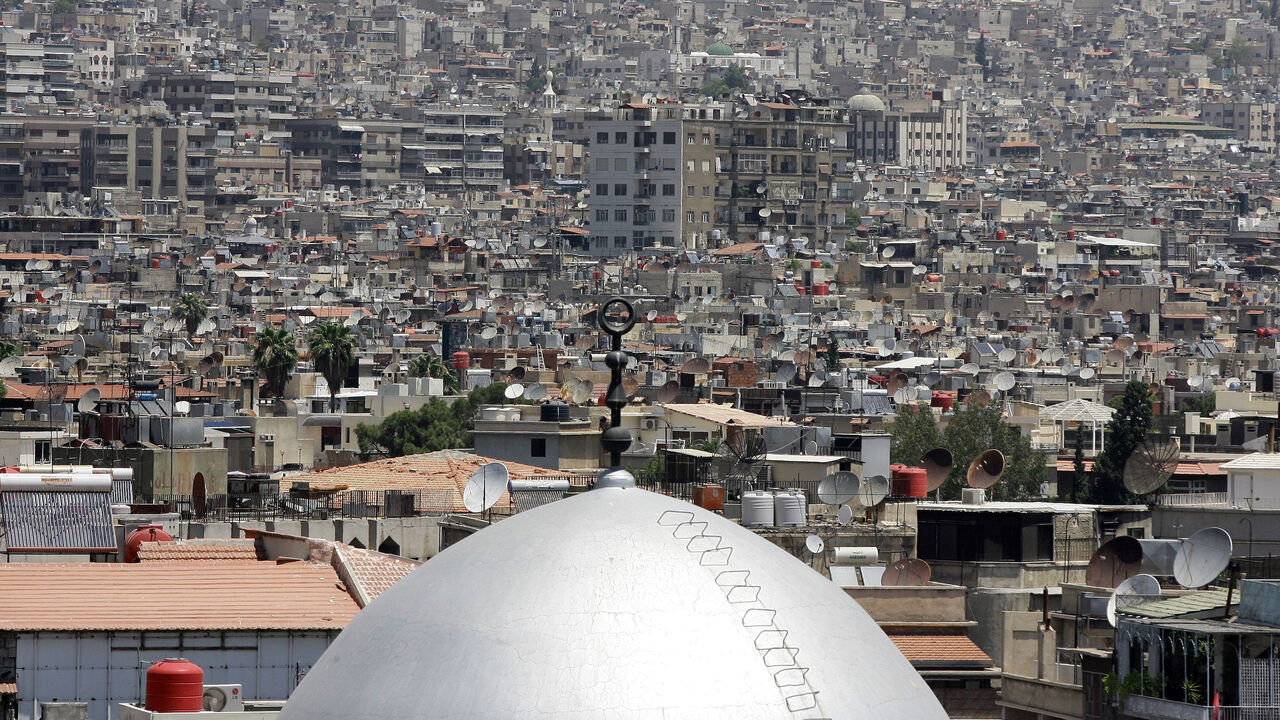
<point>821,289</point>
<point>944,400</point>
<point>461,360</point>
<point>1071,234</point>
<point>815,264</point>
<point>175,685</point>
<point>1000,235</point>
<point>913,482</point>
<point>933,277</point>
<point>145,533</point>
<point>597,275</point>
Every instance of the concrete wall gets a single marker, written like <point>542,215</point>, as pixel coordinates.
<point>107,668</point>
<point>1253,533</point>
<point>152,478</point>
<point>927,604</point>
<point>417,538</point>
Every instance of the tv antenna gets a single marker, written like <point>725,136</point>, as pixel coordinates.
<point>1150,466</point>
<point>485,487</point>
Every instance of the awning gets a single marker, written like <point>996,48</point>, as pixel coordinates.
<point>433,170</point>
<point>351,128</point>
<point>324,420</point>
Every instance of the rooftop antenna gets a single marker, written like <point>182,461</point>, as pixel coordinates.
<point>485,487</point>
<point>986,469</point>
<point>1117,560</point>
<point>937,463</point>
<point>1202,557</point>
<point>1150,466</point>
<point>907,572</point>
<point>1136,590</point>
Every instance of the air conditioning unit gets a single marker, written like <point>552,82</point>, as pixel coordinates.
<point>223,698</point>
<point>650,424</point>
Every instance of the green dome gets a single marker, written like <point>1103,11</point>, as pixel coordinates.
<point>719,48</point>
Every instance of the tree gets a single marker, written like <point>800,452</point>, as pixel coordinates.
<point>914,432</point>
<point>61,7</point>
<point>973,430</point>
<point>275,356</point>
<point>832,356</point>
<point>437,425</point>
<point>191,310</point>
<point>980,56</point>
<point>333,353</point>
<point>1204,403</point>
<point>1125,431</point>
<point>1080,481</point>
<point>1239,53</point>
<point>430,366</point>
<point>733,79</point>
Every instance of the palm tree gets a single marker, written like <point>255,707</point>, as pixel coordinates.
<point>190,309</point>
<point>430,366</point>
<point>275,356</point>
<point>332,352</point>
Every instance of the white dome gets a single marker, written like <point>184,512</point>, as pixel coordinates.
<point>866,102</point>
<point>605,605</point>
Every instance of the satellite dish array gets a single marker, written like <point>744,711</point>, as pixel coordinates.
<point>1130,565</point>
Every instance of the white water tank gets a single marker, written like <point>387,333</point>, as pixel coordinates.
<point>856,556</point>
<point>757,509</point>
<point>789,508</point>
<point>973,496</point>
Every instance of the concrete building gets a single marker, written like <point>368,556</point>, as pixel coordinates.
<point>158,161</point>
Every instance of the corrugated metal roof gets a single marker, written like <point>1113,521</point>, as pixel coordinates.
<point>57,521</point>
<point>173,596</point>
<point>1213,599</point>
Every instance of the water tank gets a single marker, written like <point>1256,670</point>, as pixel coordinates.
<point>555,412</point>
<point>910,482</point>
<point>175,685</point>
<point>944,400</point>
<point>461,360</point>
<point>789,508</point>
<point>145,533</point>
<point>709,496</point>
<point>757,509</point>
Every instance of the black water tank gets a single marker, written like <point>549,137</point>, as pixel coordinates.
<point>555,412</point>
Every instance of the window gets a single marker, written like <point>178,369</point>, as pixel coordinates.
<point>602,190</point>
<point>602,138</point>
<point>689,139</point>
<point>688,216</point>
<point>668,215</point>
<point>44,452</point>
<point>689,166</point>
<point>620,189</point>
<point>668,138</point>
<point>620,138</point>
<point>706,217</point>
<point>706,166</point>
<point>669,189</point>
<point>620,164</point>
<point>706,191</point>
<point>538,447</point>
<point>602,163</point>
<point>689,191</point>
<point>620,215</point>
<point>602,215</point>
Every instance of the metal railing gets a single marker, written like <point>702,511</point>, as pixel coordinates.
<point>1183,499</point>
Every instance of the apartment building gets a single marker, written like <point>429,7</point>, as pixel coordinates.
<point>158,161</point>
<point>39,157</point>
<point>37,76</point>
<point>1254,122</point>
<point>239,103</point>
<point>360,153</point>
<point>461,148</point>
<point>706,175</point>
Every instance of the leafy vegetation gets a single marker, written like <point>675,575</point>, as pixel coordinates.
<point>332,350</point>
<point>970,432</point>
<point>62,6</point>
<point>275,356</point>
<point>430,366</point>
<point>191,310</point>
<point>438,425</point>
<point>1126,430</point>
<point>733,79</point>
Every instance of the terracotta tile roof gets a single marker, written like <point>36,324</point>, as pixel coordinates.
<point>8,688</point>
<point>333,312</point>
<point>441,475</point>
<point>368,573</point>
<point>199,551</point>
<point>173,596</point>
<point>1183,468</point>
<point>927,649</point>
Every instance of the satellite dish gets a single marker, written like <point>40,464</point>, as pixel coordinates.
<point>873,490</point>
<point>844,515</point>
<point>668,391</point>
<point>1202,557</point>
<point>517,373</point>
<point>1005,381</point>
<point>513,391</point>
<point>901,396</point>
<point>581,391</point>
<point>1015,283</point>
<point>696,366</point>
<point>489,332</point>
<point>785,373</point>
<point>764,212</point>
<point>986,469</point>
<point>838,488</point>
<point>148,327</point>
<point>485,487</point>
<point>10,365</point>
<point>969,368</point>
<point>77,345</point>
<point>182,407</point>
<point>978,398</point>
<point>1124,342</point>
<point>1137,589</point>
<point>814,544</point>
<point>888,252</point>
<point>535,392</point>
<point>907,572</point>
<point>811,447</point>
<point>1087,373</point>
<point>1117,560</point>
<point>1150,466</point>
<point>937,465</point>
<point>1007,355</point>
<point>89,400</point>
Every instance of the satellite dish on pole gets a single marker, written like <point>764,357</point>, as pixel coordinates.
<point>668,391</point>
<point>535,392</point>
<point>89,400</point>
<point>1117,560</point>
<point>1135,590</point>
<point>1150,466</point>
<point>814,544</point>
<point>986,469</point>
<point>485,487</point>
<point>513,391</point>
<point>873,490</point>
<point>1005,381</point>
<point>937,465</point>
<point>1202,557</point>
<point>838,488</point>
<point>844,515</point>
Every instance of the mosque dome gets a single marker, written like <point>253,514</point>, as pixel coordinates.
<point>866,102</point>
<point>719,48</point>
<point>618,603</point>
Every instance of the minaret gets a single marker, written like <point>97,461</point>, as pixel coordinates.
<point>548,109</point>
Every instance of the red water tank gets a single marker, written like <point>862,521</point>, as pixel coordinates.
<point>175,685</point>
<point>1071,234</point>
<point>821,289</point>
<point>461,360</point>
<point>1000,235</point>
<point>944,400</point>
<point>911,482</point>
<point>933,277</point>
<point>145,533</point>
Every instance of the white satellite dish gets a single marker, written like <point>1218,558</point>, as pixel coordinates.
<point>89,400</point>
<point>1137,589</point>
<point>489,332</point>
<point>844,515</point>
<point>815,544</point>
<point>873,489</point>
<point>536,392</point>
<point>1202,557</point>
<point>1087,373</point>
<point>902,396</point>
<point>1007,355</point>
<point>77,346</point>
<point>969,368</point>
<point>182,407</point>
<point>485,487</point>
<point>513,391</point>
<point>838,488</point>
<point>1005,381</point>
